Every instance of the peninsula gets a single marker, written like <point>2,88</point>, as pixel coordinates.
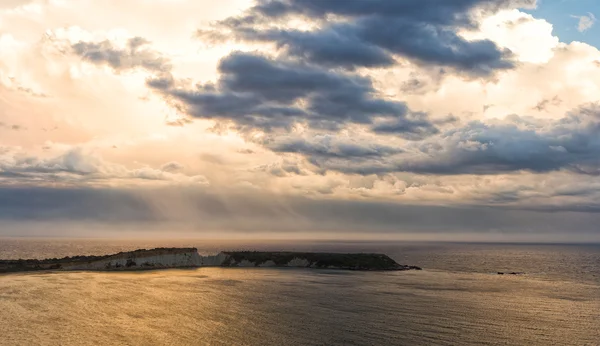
<point>162,258</point>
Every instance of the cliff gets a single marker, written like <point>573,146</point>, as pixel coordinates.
<point>188,257</point>
<point>131,260</point>
<point>143,259</point>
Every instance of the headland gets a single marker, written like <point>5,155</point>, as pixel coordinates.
<point>162,258</point>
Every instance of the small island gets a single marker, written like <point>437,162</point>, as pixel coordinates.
<point>162,258</point>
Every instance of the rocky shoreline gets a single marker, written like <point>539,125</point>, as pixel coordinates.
<point>162,258</point>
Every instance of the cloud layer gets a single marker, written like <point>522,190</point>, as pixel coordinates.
<point>398,116</point>
<point>257,92</point>
<point>376,33</point>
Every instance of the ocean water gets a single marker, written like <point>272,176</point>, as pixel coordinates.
<point>456,300</point>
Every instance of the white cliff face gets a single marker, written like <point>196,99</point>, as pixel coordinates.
<point>268,263</point>
<point>297,262</point>
<point>160,260</point>
<point>173,258</point>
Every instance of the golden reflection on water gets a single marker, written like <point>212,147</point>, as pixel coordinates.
<point>209,306</point>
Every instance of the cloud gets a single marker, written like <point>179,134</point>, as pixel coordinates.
<point>333,48</point>
<point>353,104</point>
<point>330,146</point>
<point>568,143</point>
<point>9,4</point>
<point>543,104</point>
<point>13,127</point>
<point>172,166</point>
<point>585,22</point>
<point>415,127</point>
<point>413,86</point>
<point>374,33</point>
<point>281,169</point>
<point>135,54</point>
<point>257,92</point>
<point>76,166</point>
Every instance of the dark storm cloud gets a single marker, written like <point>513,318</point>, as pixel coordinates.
<point>440,12</point>
<point>570,143</point>
<point>483,149</point>
<point>373,32</point>
<point>335,47</point>
<point>330,146</point>
<point>259,92</point>
<point>417,128</point>
<point>134,55</point>
<point>432,45</point>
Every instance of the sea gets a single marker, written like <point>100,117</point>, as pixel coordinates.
<point>457,299</point>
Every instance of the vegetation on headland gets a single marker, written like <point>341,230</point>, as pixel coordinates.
<point>352,261</point>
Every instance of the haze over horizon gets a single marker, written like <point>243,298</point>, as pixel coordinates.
<point>301,119</point>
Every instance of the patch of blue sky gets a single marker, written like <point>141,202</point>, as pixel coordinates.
<point>573,20</point>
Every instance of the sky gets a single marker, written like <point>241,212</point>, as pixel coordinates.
<point>572,20</point>
<point>412,119</point>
